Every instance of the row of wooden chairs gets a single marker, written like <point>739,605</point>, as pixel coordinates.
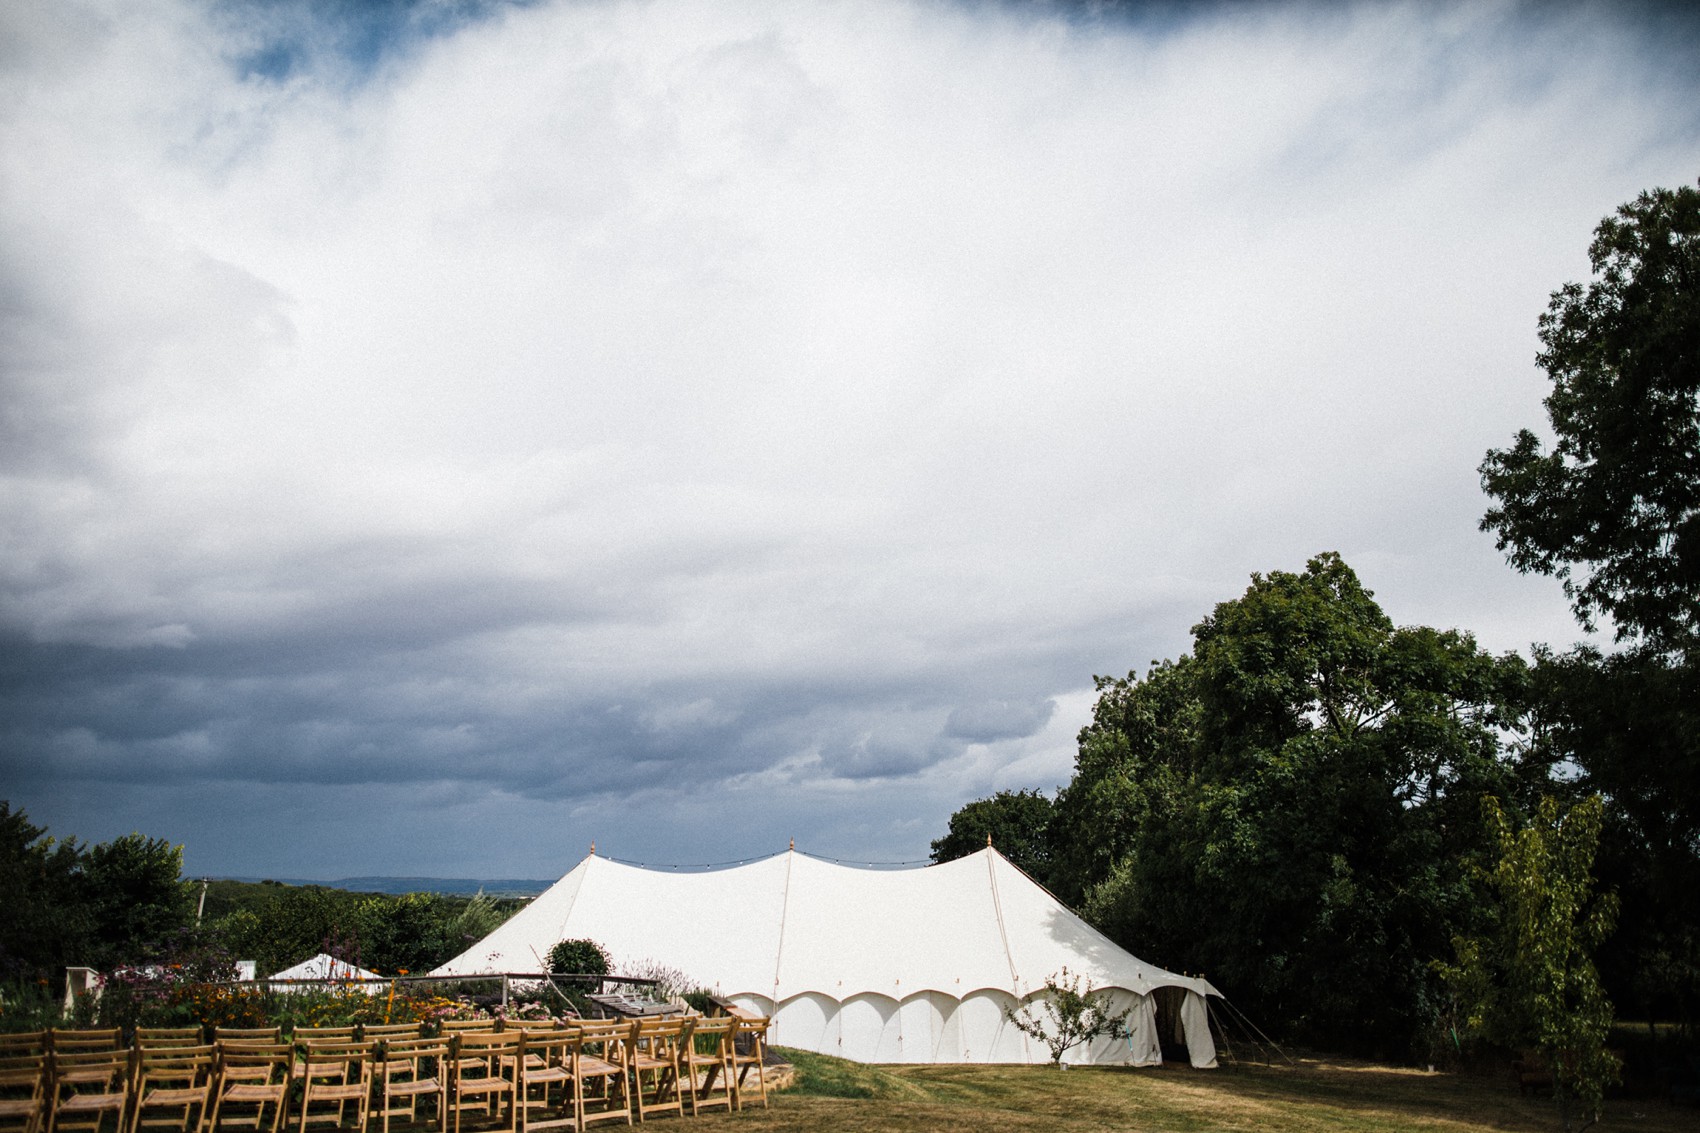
<point>567,1076</point>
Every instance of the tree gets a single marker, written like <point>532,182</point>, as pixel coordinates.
<point>1130,757</point>
<point>1070,1016</point>
<point>1293,806</point>
<point>1631,723</point>
<point>114,903</point>
<point>1531,984</point>
<point>476,917</point>
<point>408,931</point>
<point>1618,496</point>
<point>44,924</point>
<point>279,925</point>
<point>1017,823</point>
<point>134,889</point>
<point>1613,510</point>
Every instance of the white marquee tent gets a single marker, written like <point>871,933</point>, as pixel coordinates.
<point>324,967</point>
<point>913,965</point>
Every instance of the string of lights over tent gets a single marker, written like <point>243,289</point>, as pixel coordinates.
<point>704,866</point>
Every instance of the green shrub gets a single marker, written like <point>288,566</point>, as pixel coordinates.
<point>579,958</point>
<point>28,1006</point>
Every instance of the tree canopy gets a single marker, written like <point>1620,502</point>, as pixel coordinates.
<point>1306,838</point>
<point>1293,807</point>
<point>66,903</point>
<point>1016,822</point>
<point>125,902</point>
<point>1626,726</point>
<point>1613,509</point>
<point>44,925</point>
<point>279,925</point>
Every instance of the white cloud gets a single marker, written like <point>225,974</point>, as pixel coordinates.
<point>594,399</point>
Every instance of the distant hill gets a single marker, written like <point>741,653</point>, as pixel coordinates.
<point>461,886</point>
<point>453,886</point>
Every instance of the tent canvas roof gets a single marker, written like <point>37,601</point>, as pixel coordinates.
<point>792,924</point>
<point>324,967</point>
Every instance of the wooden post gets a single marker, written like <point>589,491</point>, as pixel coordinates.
<point>504,993</point>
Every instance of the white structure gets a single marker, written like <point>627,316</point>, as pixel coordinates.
<point>914,965</point>
<point>326,967</point>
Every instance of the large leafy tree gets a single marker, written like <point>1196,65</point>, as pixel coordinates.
<point>43,924</point>
<point>410,931</point>
<point>1293,807</point>
<point>134,889</point>
<point>64,903</point>
<point>1016,822</point>
<point>1132,756</point>
<point>1613,508</point>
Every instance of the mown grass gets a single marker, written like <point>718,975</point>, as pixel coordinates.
<point>833,1096</point>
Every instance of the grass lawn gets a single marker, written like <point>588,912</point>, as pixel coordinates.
<point>832,1096</point>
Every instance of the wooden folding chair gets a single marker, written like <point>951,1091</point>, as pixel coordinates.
<point>23,1089</point>
<point>653,1056</point>
<point>601,1090</point>
<point>85,1086</point>
<point>250,1074</point>
<point>301,1036</point>
<point>239,1038</point>
<point>408,1070</point>
<point>23,1077</point>
<point>707,1056</point>
<point>543,1090</point>
<point>334,1073</point>
<point>69,1069</point>
<point>382,1032</point>
<point>69,1040</point>
<point>447,1029</point>
<point>325,1034</point>
<point>749,1038</point>
<point>162,1038</point>
<point>482,1068</point>
<point>152,1038</point>
<point>227,1035</point>
<point>23,1043</point>
<point>174,1080</point>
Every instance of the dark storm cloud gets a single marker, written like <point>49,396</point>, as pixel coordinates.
<point>991,720</point>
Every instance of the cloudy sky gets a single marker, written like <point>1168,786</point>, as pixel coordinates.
<point>434,436</point>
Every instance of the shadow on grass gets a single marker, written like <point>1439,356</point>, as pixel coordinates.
<point>1317,1096</point>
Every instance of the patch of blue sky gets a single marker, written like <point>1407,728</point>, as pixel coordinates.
<point>285,38</point>
<point>1151,17</point>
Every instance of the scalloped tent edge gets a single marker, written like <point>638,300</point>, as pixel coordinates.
<point>915,965</point>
